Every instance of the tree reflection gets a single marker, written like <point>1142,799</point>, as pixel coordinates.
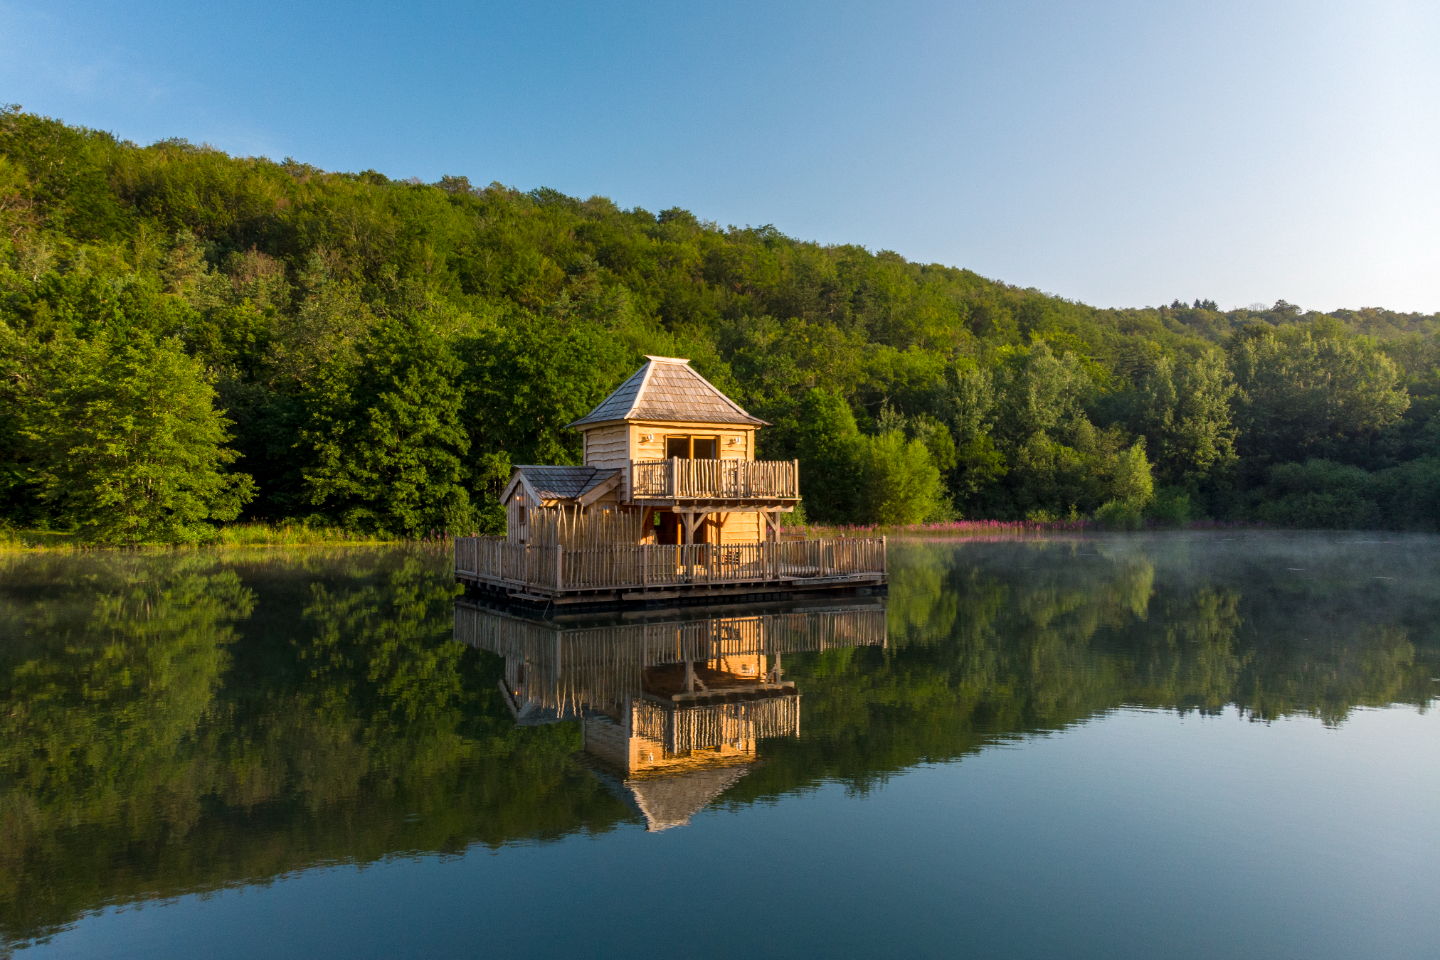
<point>182,722</point>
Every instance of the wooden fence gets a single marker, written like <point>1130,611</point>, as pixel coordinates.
<point>677,479</point>
<point>680,730</point>
<point>629,566</point>
<point>566,670</point>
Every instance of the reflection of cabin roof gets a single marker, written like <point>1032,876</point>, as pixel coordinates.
<point>666,388</point>
<point>671,800</point>
<point>559,483</point>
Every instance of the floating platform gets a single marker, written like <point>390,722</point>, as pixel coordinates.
<point>624,574</point>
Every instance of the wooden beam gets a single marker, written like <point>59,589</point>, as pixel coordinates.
<point>600,489</point>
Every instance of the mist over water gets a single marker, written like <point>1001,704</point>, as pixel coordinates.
<point>1187,744</point>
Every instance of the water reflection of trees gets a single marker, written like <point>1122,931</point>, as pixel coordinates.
<point>184,722</point>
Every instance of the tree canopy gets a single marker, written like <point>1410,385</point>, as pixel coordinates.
<point>373,348</point>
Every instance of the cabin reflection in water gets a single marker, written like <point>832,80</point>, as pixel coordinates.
<point>672,709</point>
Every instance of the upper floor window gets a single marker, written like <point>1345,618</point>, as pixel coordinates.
<point>692,448</point>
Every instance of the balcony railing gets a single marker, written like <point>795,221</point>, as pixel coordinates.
<point>676,479</point>
<point>550,571</point>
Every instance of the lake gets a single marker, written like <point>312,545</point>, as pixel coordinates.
<point>1194,744</point>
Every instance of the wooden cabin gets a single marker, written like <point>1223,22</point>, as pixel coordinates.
<point>672,710</point>
<point>669,500</point>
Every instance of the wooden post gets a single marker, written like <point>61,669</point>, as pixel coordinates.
<point>884,560</point>
<point>559,562</point>
<point>674,478</point>
<point>795,476</point>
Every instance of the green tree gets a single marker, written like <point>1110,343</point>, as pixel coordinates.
<point>125,441</point>
<point>966,405</point>
<point>1039,393</point>
<point>1131,481</point>
<point>1183,411</point>
<point>899,482</point>
<point>386,433</point>
<point>1298,393</point>
<point>273,276</point>
<point>828,438</point>
<point>531,377</point>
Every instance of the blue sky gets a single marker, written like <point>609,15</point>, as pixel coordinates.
<point>1117,153</point>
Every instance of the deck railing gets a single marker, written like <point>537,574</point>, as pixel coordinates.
<point>677,479</point>
<point>625,566</point>
<point>557,667</point>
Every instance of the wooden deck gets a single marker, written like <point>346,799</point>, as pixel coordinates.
<point>730,480</point>
<point>626,572</point>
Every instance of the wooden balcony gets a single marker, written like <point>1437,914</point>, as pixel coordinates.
<point>675,479</point>
<point>627,572</point>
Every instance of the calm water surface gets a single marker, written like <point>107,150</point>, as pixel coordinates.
<point>1186,745</point>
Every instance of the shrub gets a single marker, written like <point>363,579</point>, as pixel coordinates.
<point>1119,515</point>
<point>899,482</point>
<point>1171,506</point>
<point>1319,494</point>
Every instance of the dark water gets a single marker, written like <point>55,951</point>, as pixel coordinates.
<point>1180,746</point>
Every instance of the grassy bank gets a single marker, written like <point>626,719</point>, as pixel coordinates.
<point>230,535</point>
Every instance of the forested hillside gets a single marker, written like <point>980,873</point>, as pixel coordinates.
<point>188,337</point>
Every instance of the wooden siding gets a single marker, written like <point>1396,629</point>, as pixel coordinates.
<point>609,446</point>
<point>740,528</point>
<point>613,445</point>
<point>654,449</point>
<point>517,530</point>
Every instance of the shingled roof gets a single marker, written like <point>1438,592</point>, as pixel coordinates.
<point>560,483</point>
<point>666,388</point>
